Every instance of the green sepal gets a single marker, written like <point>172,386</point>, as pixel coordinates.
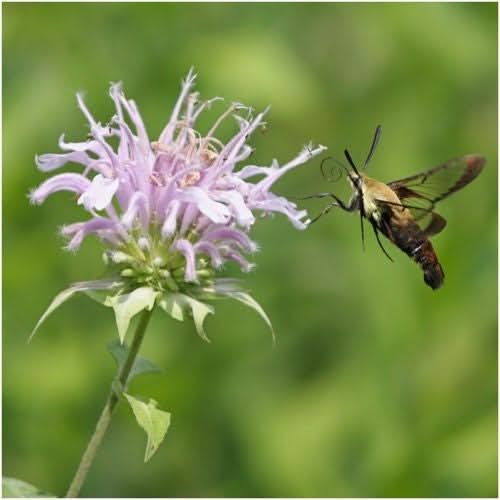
<point>178,305</point>
<point>141,365</point>
<point>249,301</point>
<point>15,488</point>
<point>126,306</point>
<point>155,422</point>
<point>83,286</point>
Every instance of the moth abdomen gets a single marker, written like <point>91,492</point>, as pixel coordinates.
<point>425,256</point>
<point>408,237</point>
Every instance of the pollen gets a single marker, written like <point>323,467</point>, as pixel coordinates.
<point>208,156</point>
<point>190,179</point>
<point>159,147</point>
<point>156,179</point>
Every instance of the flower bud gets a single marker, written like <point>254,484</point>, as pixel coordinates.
<point>205,273</point>
<point>118,257</point>
<point>164,273</point>
<point>128,273</point>
<point>158,262</point>
<point>143,243</point>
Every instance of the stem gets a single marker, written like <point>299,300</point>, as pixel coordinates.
<point>109,407</point>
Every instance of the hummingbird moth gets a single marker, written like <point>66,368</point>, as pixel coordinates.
<point>403,210</point>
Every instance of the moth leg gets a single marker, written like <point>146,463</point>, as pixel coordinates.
<point>380,243</point>
<point>338,202</point>
<point>388,229</point>
<point>323,212</point>
<point>362,230</point>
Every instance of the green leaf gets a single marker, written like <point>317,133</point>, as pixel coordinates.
<point>176,304</point>
<point>200,311</point>
<point>173,304</point>
<point>128,305</point>
<point>154,421</point>
<point>15,488</point>
<point>100,296</point>
<point>225,285</point>
<point>83,286</point>
<point>249,301</point>
<point>140,366</point>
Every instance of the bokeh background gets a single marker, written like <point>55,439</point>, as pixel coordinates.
<point>378,386</point>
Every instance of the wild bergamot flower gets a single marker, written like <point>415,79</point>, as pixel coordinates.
<point>169,212</point>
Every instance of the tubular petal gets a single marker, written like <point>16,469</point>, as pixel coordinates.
<point>186,248</point>
<point>99,194</point>
<point>75,183</point>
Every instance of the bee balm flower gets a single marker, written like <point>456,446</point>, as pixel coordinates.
<point>170,212</point>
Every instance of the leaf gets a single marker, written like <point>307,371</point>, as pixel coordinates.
<point>249,301</point>
<point>200,312</point>
<point>173,304</point>
<point>176,305</point>
<point>225,285</point>
<point>15,488</point>
<point>126,306</point>
<point>83,286</point>
<point>140,366</point>
<point>99,296</point>
<point>154,421</point>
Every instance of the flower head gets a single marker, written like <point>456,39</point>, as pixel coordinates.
<point>171,212</point>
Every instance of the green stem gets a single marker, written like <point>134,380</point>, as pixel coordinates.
<point>109,407</point>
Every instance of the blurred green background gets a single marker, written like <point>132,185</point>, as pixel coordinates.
<point>378,386</point>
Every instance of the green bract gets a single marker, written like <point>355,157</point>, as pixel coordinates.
<point>127,302</point>
<point>143,278</point>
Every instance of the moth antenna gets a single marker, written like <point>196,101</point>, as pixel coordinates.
<point>349,159</point>
<point>375,141</point>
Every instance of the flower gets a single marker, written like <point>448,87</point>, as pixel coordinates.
<point>170,212</point>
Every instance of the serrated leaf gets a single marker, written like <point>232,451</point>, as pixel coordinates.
<point>176,304</point>
<point>126,306</point>
<point>15,488</point>
<point>60,298</point>
<point>141,365</point>
<point>155,423</point>
<point>249,301</point>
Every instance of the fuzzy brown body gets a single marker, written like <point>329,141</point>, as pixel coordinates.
<point>383,208</point>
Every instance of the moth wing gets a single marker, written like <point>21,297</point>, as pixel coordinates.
<point>429,222</point>
<point>437,183</point>
<point>419,193</point>
<point>433,225</point>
